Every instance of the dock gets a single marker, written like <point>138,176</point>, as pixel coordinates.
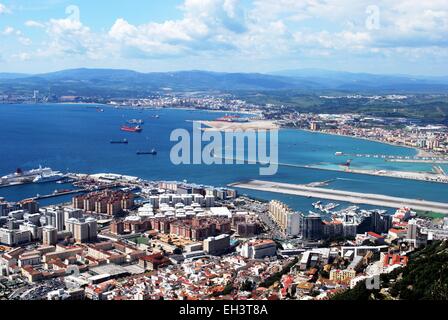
<point>339,195</point>
<point>58,194</point>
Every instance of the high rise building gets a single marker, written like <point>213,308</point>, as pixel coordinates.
<point>217,245</point>
<point>55,217</point>
<point>72,213</point>
<point>375,222</point>
<point>83,230</point>
<point>49,236</point>
<point>209,201</point>
<point>30,205</point>
<point>312,227</point>
<point>288,220</point>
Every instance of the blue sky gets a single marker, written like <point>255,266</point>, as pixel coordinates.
<point>400,36</point>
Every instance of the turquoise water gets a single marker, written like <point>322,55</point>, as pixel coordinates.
<point>76,138</point>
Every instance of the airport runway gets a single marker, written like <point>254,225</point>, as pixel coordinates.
<point>339,195</point>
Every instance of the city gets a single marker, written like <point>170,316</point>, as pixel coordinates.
<point>144,240</point>
<point>223,158</point>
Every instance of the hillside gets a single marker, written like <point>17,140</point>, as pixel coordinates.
<point>424,278</point>
<point>128,83</point>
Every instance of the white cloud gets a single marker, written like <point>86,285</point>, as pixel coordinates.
<point>206,25</point>
<point>25,41</point>
<point>4,9</point>
<point>8,31</point>
<point>264,29</point>
<point>70,37</point>
<point>34,24</point>
<point>22,56</point>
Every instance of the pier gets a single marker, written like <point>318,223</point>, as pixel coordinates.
<point>59,194</point>
<point>339,195</point>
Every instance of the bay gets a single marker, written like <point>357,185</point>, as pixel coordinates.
<point>76,138</point>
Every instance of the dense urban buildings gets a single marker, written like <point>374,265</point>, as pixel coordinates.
<point>198,241</point>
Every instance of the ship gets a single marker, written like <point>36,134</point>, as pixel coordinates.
<point>61,191</point>
<point>136,121</point>
<point>131,129</point>
<point>153,152</point>
<point>27,176</point>
<point>339,154</point>
<point>124,141</point>
<point>49,177</point>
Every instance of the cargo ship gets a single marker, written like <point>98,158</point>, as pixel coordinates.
<point>131,129</point>
<point>153,152</point>
<point>124,141</point>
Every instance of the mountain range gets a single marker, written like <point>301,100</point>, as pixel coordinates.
<point>127,83</point>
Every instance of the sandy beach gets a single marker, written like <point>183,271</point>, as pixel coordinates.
<point>233,126</point>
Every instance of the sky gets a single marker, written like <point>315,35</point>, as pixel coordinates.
<point>382,36</point>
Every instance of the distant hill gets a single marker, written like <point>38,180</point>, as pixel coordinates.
<point>127,83</point>
<point>365,82</point>
<point>5,75</point>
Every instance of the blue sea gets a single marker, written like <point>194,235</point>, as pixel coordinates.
<point>76,138</point>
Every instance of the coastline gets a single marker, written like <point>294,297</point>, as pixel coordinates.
<point>245,112</point>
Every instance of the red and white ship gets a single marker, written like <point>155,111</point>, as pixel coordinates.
<point>131,129</point>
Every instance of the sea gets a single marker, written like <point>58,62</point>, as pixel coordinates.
<point>76,138</point>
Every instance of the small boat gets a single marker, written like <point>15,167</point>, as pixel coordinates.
<point>61,191</point>
<point>124,141</point>
<point>153,152</point>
